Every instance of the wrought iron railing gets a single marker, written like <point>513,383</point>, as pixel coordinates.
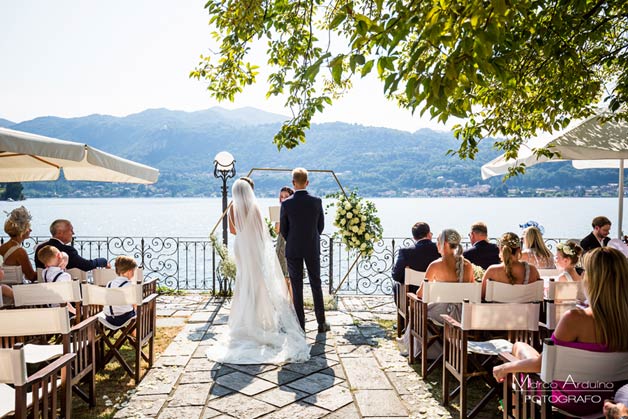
<point>191,263</point>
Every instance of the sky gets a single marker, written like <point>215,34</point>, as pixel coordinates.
<point>72,58</point>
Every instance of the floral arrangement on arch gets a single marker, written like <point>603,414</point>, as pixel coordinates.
<point>226,266</point>
<point>358,225</point>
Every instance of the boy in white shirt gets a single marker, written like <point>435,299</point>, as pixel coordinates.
<point>55,263</point>
<point>53,259</point>
<point>125,269</point>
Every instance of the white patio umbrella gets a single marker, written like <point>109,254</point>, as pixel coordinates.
<point>590,143</point>
<point>26,157</point>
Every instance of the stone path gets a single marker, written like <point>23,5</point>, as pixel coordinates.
<point>354,371</point>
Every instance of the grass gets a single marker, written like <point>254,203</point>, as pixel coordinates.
<point>114,383</point>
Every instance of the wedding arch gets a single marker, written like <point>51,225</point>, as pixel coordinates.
<point>274,169</point>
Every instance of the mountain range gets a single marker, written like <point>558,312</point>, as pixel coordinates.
<point>376,161</point>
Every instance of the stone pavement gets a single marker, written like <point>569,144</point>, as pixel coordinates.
<point>355,371</point>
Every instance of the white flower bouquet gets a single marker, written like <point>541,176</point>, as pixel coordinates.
<point>357,222</point>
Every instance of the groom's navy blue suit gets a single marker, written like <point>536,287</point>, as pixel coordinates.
<point>301,223</point>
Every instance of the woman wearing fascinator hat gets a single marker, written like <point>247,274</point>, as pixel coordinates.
<point>18,227</point>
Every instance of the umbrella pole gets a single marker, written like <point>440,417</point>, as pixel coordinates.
<point>620,193</point>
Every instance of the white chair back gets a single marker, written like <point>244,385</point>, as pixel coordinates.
<point>12,366</point>
<point>509,316</point>
<point>562,363</point>
<point>34,321</point>
<point>412,277</point>
<point>274,213</point>
<point>549,273</point>
<point>102,296</point>
<point>554,311</point>
<point>451,292</point>
<point>77,274</point>
<point>103,276</point>
<point>12,275</point>
<point>565,291</point>
<point>40,275</point>
<point>499,292</point>
<point>47,293</point>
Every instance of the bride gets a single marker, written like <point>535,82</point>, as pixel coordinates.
<point>263,327</point>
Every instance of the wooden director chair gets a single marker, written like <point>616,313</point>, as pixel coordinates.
<point>465,359</point>
<point>498,292</point>
<point>44,332</point>
<point>138,332</point>
<point>560,363</point>
<point>12,275</point>
<point>82,334</point>
<point>40,395</point>
<point>426,332</point>
<point>411,277</point>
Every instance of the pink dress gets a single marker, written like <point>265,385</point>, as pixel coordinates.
<point>584,402</point>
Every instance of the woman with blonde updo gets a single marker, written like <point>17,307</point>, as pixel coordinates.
<point>567,256</point>
<point>512,270</point>
<point>18,227</point>
<point>535,251</point>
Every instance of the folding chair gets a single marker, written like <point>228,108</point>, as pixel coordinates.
<point>565,291</point>
<point>426,331</point>
<point>78,275</point>
<point>561,363</point>
<point>12,275</point>
<point>138,331</point>
<point>41,394</point>
<point>498,292</point>
<point>82,335</point>
<point>465,359</point>
<point>21,325</point>
<point>549,273</point>
<point>411,277</point>
<point>102,276</point>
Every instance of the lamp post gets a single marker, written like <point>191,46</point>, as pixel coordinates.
<point>224,168</point>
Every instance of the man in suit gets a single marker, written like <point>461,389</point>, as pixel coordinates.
<point>599,236</point>
<point>301,222</point>
<point>416,257</point>
<point>62,232</point>
<point>482,253</point>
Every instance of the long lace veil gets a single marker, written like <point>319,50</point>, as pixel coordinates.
<point>263,298</point>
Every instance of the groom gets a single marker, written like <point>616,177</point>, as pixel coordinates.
<point>302,221</point>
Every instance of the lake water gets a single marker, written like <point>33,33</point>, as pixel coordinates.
<point>195,217</point>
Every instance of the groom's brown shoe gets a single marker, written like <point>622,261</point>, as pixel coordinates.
<point>324,327</point>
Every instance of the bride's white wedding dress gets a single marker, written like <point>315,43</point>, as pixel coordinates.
<point>263,327</point>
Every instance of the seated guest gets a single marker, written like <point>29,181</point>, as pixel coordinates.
<point>18,227</point>
<point>52,259</point>
<point>62,232</point>
<point>535,251</point>
<point>483,253</point>
<point>125,269</point>
<point>601,327</point>
<point>567,256</point>
<point>416,257</point>
<point>511,270</point>
<point>599,236</point>
<point>616,409</point>
<point>450,267</point>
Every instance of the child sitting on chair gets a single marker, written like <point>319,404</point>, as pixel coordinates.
<point>53,259</point>
<point>125,269</point>
<point>55,264</point>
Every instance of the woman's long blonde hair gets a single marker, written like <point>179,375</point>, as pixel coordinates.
<point>452,238</point>
<point>605,277</point>
<point>509,245</point>
<point>533,239</point>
